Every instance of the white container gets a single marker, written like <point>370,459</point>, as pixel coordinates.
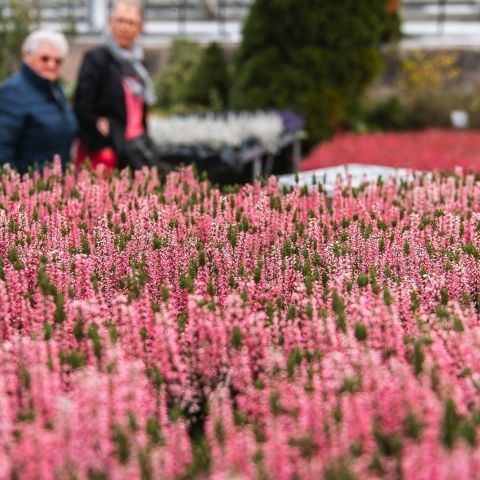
<point>459,118</point>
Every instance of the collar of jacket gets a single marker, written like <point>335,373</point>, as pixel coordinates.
<point>36,79</point>
<point>44,84</point>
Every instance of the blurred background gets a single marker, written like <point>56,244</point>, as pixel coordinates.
<point>328,68</point>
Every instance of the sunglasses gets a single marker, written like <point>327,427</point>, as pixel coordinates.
<point>126,22</point>
<point>47,59</point>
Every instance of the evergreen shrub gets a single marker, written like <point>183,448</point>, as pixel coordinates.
<point>16,19</point>
<point>171,81</point>
<point>209,82</point>
<point>316,56</point>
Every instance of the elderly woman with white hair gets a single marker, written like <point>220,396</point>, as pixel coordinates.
<point>36,122</point>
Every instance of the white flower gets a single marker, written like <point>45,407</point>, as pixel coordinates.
<point>216,131</point>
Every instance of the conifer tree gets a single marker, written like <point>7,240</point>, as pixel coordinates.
<point>316,56</point>
<point>209,83</point>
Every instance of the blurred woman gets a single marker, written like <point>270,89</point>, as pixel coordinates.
<point>36,122</point>
<point>114,91</point>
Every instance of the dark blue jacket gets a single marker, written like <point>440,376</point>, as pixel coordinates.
<point>36,121</point>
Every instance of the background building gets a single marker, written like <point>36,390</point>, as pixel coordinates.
<point>221,20</point>
<point>202,20</point>
<point>430,24</point>
<point>433,21</point>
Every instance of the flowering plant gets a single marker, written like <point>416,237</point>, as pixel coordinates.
<point>175,331</point>
<point>217,131</point>
<point>433,149</point>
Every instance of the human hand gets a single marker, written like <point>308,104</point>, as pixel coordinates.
<point>103,126</point>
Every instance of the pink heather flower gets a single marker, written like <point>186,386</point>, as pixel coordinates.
<point>298,333</point>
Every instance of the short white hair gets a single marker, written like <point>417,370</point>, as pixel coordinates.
<point>39,38</point>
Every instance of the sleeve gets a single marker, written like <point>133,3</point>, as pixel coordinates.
<point>86,101</point>
<point>12,120</point>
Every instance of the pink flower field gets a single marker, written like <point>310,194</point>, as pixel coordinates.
<point>167,330</point>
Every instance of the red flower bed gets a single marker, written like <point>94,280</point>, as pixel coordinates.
<point>427,150</point>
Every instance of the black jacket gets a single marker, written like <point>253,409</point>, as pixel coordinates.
<point>100,93</point>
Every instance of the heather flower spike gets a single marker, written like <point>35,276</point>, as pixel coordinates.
<point>171,330</point>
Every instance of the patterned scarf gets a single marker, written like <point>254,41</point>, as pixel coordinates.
<point>140,83</point>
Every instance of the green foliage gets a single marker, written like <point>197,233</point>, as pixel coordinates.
<point>413,426</point>
<point>426,110</point>
<point>154,431</point>
<point>171,81</point>
<point>338,306</point>
<point>208,84</point>
<point>16,19</point>
<point>339,471</point>
<point>316,57</point>
<point>306,445</point>
<point>123,448</point>
<point>236,338</point>
<point>362,280</point>
<point>389,444</point>
<point>74,358</point>
<point>201,458</point>
<point>418,358</point>
<point>388,113</point>
<point>424,72</point>
<point>450,424</point>
<point>14,258</point>
<point>361,332</point>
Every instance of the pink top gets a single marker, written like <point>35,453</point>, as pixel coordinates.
<point>134,106</point>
